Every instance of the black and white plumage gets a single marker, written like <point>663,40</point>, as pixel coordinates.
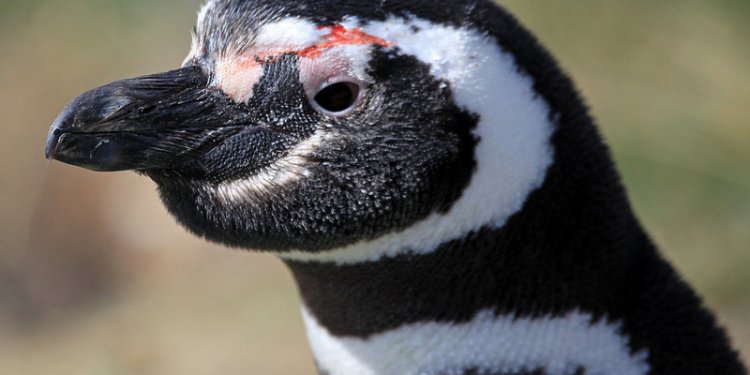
<point>429,175</point>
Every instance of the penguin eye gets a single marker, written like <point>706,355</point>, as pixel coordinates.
<point>337,98</point>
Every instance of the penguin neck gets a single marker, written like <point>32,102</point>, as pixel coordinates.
<point>573,265</point>
<point>494,301</point>
<point>547,260</point>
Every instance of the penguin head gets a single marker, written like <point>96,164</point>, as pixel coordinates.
<point>309,126</point>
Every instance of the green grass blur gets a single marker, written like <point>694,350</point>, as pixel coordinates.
<point>95,278</point>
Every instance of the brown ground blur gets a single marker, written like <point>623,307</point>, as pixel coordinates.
<point>95,277</point>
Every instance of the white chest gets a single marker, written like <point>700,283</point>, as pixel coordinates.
<point>488,343</point>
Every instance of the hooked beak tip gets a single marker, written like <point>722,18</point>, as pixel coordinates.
<point>57,130</point>
<point>49,151</point>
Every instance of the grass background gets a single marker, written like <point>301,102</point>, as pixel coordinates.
<point>95,277</point>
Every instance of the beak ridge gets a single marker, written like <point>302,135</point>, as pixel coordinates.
<point>139,123</point>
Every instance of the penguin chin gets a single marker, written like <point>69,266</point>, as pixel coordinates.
<point>305,213</point>
<point>257,221</point>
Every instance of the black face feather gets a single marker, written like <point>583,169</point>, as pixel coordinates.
<point>401,155</point>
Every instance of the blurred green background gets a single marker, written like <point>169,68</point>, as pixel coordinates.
<point>95,277</point>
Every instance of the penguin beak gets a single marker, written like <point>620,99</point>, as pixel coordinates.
<point>150,122</point>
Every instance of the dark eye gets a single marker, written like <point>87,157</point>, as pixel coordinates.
<point>338,97</point>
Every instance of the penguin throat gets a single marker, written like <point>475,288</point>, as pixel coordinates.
<point>472,296</point>
<point>500,269</point>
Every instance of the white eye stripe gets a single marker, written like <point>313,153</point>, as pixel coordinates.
<point>514,134</point>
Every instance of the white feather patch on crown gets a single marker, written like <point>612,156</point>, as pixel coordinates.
<point>488,344</point>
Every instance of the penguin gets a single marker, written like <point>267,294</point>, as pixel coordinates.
<point>429,175</point>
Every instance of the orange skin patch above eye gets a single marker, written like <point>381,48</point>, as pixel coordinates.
<point>338,36</point>
<point>341,36</point>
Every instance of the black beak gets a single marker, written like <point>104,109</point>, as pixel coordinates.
<point>151,122</point>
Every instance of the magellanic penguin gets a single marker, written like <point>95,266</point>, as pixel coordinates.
<point>429,175</point>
